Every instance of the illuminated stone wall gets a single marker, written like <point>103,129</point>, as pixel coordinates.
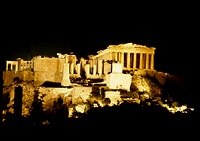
<point>47,64</point>
<point>9,76</point>
<point>12,65</point>
<point>24,65</point>
<point>41,68</point>
<point>118,81</point>
<point>19,65</point>
<point>131,57</point>
<point>41,77</point>
<point>51,69</point>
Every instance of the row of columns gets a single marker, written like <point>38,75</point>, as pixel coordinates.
<point>69,69</point>
<point>12,65</point>
<point>139,60</point>
<point>129,60</point>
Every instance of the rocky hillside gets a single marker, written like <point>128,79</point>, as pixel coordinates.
<point>51,106</point>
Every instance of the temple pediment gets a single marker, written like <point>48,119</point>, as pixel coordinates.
<point>126,46</point>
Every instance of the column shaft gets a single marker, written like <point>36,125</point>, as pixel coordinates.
<point>72,68</point>
<point>87,69</point>
<point>134,60</point>
<point>141,64</point>
<point>94,70</point>
<point>122,59</point>
<point>147,61</point>
<point>116,56</point>
<point>152,61</point>
<point>100,67</point>
<point>6,65</point>
<point>78,68</point>
<point>111,58</point>
<point>128,60</point>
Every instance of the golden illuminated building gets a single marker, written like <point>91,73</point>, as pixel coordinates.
<point>131,56</point>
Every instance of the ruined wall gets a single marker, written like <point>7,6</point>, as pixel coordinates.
<point>39,69</point>
<point>41,76</point>
<point>48,69</point>
<point>118,81</point>
<point>28,75</point>
<point>48,64</point>
<point>9,76</point>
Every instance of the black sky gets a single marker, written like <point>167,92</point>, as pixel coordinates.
<point>85,29</point>
<point>29,29</point>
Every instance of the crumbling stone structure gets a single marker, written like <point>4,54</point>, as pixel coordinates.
<point>130,56</point>
<point>44,68</point>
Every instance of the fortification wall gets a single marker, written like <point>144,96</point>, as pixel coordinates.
<point>42,76</point>
<point>9,76</point>
<point>54,65</point>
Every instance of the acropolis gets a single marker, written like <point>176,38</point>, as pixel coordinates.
<point>121,74</point>
<point>129,56</point>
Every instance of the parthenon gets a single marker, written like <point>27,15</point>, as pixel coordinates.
<point>131,56</point>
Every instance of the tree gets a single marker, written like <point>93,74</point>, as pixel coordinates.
<point>37,114</point>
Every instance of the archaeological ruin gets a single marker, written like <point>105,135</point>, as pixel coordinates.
<point>119,73</point>
<point>130,56</point>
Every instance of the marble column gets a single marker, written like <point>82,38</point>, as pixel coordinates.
<point>66,58</point>
<point>122,59</point>
<point>87,69</point>
<point>78,69</point>
<point>100,67</point>
<point>72,68</point>
<point>11,66</point>
<point>152,61</point>
<point>134,60</point>
<point>128,60</point>
<point>141,63</point>
<point>111,58</point>
<point>16,66</point>
<point>116,56</point>
<point>94,69</point>
<point>147,61</point>
<point>94,62</point>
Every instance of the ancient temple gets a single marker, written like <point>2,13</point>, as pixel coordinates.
<point>131,56</point>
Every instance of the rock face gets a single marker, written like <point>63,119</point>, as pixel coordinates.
<point>148,86</point>
<point>143,84</point>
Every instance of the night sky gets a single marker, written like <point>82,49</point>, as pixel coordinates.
<point>28,30</point>
<point>85,29</point>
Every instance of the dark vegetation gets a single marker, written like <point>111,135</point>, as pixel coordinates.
<point>117,117</point>
<point>122,117</point>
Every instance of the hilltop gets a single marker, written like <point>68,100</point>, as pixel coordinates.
<point>156,95</point>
